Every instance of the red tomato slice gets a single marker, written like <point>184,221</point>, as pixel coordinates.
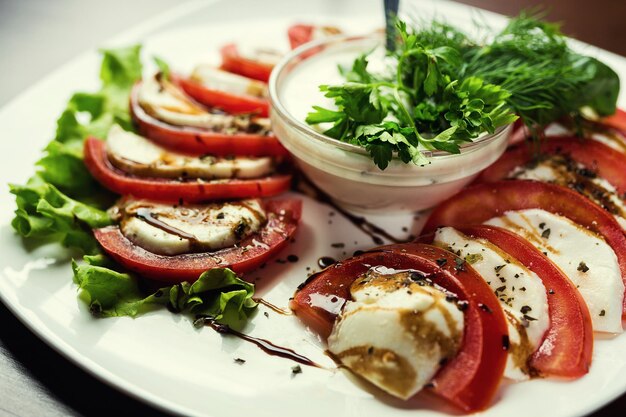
<point>606,161</point>
<point>201,141</point>
<point>299,34</point>
<point>481,202</point>
<point>470,379</point>
<point>232,61</point>
<point>165,189</point>
<point>230,103</point>
<point>617,120</point>
<point>283,217</point>
<point>568,343</point>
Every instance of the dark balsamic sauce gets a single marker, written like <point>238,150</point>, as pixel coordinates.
<point>304,186</point>
<point>144,214</point>
<point>265,345</point>
<point>326,261</point>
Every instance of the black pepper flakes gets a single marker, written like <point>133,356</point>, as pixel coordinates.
<point>602,313</point>
<point>525,309</point>
<point>546,234</point>
<point>485,308</point>
<point>296,370</point>
<point>240,361</point>
<point>459,264</point>
<point>499,268</point>
<point>442,261</point>
<point>582,267</point>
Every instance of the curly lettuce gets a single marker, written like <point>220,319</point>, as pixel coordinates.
<point>218,293</point>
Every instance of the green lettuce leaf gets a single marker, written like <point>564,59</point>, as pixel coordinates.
<point>218,293</point>
<point>44,212</point>
<point>62,202</point>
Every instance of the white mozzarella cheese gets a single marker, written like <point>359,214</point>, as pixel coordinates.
<point>164,101</point>
<point>265,56</point>
<point>137,155</point>
<point>395,332</point>
<point>589,262</point>
<point>521,293</point>
<point>172,230</point>
<point>216,79</point>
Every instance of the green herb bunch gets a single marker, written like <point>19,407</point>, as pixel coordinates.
<point>444,89</point>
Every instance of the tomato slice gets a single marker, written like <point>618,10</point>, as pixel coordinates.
<point>568,343</point>
<point>606,161</point>
<point>283,217</point>
<point>201,141</point>
<point>232,61</point>
<point>230,103</point>
<point>165,189</point>
<point>617,120</point>
<point>469,380</point>
<point>299,34</point>
<point>481,202</point>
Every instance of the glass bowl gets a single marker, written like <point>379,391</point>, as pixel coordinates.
<point>346,172</point>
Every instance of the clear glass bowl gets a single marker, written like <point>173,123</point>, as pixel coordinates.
<point>346,172</point>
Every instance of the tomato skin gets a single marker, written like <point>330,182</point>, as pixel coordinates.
<point>196,141</point>
<point>617,120</point>
<point>567,346</point>
<point>606,161</point>
<point>165,189</point>
<point>283,218</point>
<point>481,202</point>
<point>470,379</point>
<point>299,34</point>
<point>230,103</point>
<point>232,61</point>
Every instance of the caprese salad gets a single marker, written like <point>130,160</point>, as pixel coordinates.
<point>512,276</point>
<point>543,240</point>
<point>172,180</point>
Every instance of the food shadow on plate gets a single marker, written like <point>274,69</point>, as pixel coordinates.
<point>421,401</point>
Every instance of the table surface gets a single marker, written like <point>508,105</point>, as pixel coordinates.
<point>34,379</point>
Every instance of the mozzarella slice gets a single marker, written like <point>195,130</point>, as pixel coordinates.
<point>583,256</point>
<point>397,330</point>
<point>321,32</point>
<point>216,79</point>
<point>521,293</point>
<point>166,102</point>
<point>564,171</point>
<point>606,137</point>
<point>265,56</point>
<point>137,155</point>
<point>172,230</point>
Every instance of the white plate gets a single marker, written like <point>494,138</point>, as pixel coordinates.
<point>160,358</point>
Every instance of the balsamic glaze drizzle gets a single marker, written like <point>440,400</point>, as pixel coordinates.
<point>265,345</point>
